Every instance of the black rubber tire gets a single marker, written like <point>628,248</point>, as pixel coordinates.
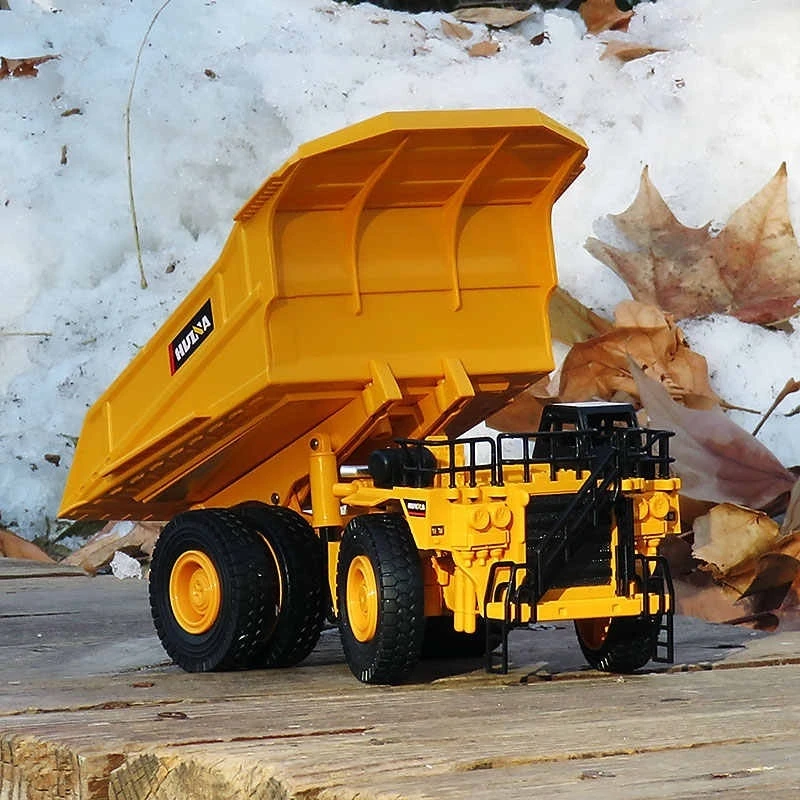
<point>628,645</point>
<point>442,641</point>
<point>300,598</point>
<point>394,650</point>
<point>246,582</point>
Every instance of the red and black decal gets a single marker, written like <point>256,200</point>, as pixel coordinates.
<point>192,335</point>
<point>416,508</point>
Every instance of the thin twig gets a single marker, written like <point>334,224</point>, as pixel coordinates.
<point>724,404</point>
<point>25,333</point>
<point>142,278</point>
<point>791,386</point>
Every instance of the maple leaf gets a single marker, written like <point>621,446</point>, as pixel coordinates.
<point>603,15</point>
<point>659,270</point>
<point>599,367</point>
<point>759,257</point>
<point>715,458</point>
<point>750,270</point>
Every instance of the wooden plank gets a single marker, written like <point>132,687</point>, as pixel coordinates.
<point>422,741</point>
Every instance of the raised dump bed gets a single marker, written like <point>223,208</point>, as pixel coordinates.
<point>390,280</point>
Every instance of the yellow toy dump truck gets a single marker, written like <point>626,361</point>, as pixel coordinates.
<point>297,419</point>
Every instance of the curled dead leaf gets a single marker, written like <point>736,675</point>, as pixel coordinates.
<point>730,536</point>
<point>773,577</point>
<point>599,367</point>
<point>603,15</point>
<point>715,458</point>
<point>525,410</point>
<point>571,321</point>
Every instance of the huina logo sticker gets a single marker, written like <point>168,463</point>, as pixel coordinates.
<point>191,337</point>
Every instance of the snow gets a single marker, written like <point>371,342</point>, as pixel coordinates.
<point>226,91</point>
<point>124,566</point>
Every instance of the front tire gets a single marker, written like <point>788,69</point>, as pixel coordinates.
<point>619,644</point>
<point>380,597</point>
<point>210,583</point>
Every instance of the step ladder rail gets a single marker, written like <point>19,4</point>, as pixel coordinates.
<point>512,597</point>
<point>657,576</point>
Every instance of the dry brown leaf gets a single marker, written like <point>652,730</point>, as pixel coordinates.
<point>493,17</point>
<point>484,49</point>
<point>22,67</point>
<point>715,458</point>
<point>525,410</point>
<point>751,270</point>
<point>759,257</point>
<point>603,15</point>
<point>455,31</point>
<point>599,368</point>
<point>12,546</point>
<point>791,520</point>
<point>773,576</point>
<point>571,321</point>
<point>730,536</point>
<point>669,264</point>
<point>710,601</point>
<point>628,51</point>
<point>769,584</point>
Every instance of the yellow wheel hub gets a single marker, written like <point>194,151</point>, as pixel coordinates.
<point>594,631</point>
<point>362,599</point>
<point>194,591</point>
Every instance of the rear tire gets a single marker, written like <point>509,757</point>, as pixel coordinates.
<point>210,583</point>
<point>299,598</point>
<point>380,596</point>
<point>619,644</point>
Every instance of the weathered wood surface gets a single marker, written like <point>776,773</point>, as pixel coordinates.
<point>547,730</point>
<point>318,734</point>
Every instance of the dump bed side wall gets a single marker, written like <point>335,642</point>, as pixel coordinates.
<point>400,248</point>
